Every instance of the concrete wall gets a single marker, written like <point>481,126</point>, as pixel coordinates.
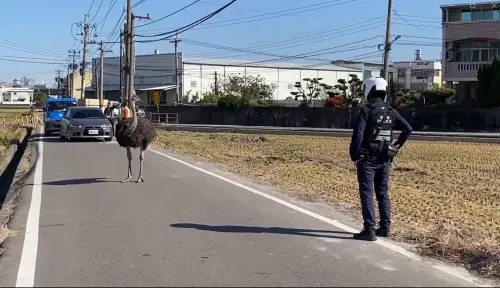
<point>424,119</point>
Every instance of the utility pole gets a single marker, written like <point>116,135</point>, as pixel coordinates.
<point>58,79</point>
<point>101,74</point>
<point>215,82</point>
<point>67,81</point>
<point>128,42</point>
<point>388,42</point>
<point>131,59</point>
<point>176,42</point>
<point>125,64</point>
<point>121,65</point>
<point>72,54</point>
<point>85,34</point>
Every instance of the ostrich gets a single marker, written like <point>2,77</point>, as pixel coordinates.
<point>134,132</point>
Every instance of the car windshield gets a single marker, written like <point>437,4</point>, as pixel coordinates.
<point>87,114</point>
<point>59,106</point>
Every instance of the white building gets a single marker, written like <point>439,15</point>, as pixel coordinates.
<point>418,74</point>
<point>15,96</point>
<point>199,74</point>
<point>156,72</point>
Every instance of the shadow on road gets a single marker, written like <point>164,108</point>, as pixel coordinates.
<point>78,181</point>
<point>270,230</point>
<point>55,138</point>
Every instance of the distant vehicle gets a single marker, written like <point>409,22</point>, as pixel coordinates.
<point>85,123</point>
<point>53,110</point>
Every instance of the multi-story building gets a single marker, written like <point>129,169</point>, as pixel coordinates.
<point>471,37</point>
<point>418,74</point>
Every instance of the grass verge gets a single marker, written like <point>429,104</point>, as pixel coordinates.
<point>446,196</point>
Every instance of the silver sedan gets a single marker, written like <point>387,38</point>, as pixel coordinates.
<point>81,122</point>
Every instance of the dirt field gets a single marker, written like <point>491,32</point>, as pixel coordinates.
<point>446,196</point>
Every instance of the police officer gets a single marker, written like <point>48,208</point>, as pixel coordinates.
<point>372,151</point>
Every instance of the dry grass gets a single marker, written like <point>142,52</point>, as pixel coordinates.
<point>9,134</point>
<point>446,196</point>
<point>17,116</point>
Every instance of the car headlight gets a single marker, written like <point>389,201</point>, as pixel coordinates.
<point>75,126</point>
<point>106,126</point>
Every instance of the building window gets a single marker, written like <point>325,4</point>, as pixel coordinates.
<point>437,72</point>
<point>493,54</point>
<point>6,97</point>
<point>193,84</point>
<point>290,86</point>
<point>476,55</point>
<point>487,15</point>
<point>480,15</point>
<point>496,14</point>
<point>15,93</point>
<point>401,72</point>
<point>466,15</point>
<point>477,15</point>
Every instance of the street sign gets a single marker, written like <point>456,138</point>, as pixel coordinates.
<point>156,97</point>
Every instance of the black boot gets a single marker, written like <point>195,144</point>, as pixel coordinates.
<point>380,232</point>
<point>366,235</point>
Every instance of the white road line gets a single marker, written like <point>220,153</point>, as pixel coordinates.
<point>27,266</point>
<point>447,269</point>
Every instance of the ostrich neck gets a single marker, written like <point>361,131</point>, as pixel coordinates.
<point>134,116</point>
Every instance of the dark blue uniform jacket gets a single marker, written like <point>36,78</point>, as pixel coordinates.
<point>359,129</point>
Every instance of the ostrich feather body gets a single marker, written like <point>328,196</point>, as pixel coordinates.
<point>141,137</point>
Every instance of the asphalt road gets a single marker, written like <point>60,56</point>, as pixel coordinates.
<point>183,227</point>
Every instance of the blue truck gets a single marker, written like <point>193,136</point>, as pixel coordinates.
<point>53,112</point>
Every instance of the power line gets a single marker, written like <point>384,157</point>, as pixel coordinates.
<point>187,27</point>
<point>91,5</point>
<point>173,13</point>
<point>263,11</point>
<point>198,43</point>
<point>103,20</point>
<point>313,53</point>
<point>33,62</point>
<point>301,9</point>
<point>138,3</point>
<point>347,30</point>
<point>96,12</point>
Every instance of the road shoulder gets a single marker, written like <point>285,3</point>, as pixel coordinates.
<point>18,199</point>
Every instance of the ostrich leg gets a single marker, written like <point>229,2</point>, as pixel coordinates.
<point>129,158</point>
<point>141,162</point>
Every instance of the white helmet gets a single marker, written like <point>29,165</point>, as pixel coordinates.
<point>374,84</point>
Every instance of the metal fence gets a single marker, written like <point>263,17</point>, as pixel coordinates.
<point>163,118</point>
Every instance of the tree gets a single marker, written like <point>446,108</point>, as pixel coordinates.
<point>251,90</point>
<point>314,89</point>
<point>350,89</point>
<point>488,92</point>
<point>39,97</point>
<point>437,95</point>
<point>406,97</point>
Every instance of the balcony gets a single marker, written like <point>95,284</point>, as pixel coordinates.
<point>462,71</point>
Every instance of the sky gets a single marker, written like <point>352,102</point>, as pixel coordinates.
<point>36,35</point>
